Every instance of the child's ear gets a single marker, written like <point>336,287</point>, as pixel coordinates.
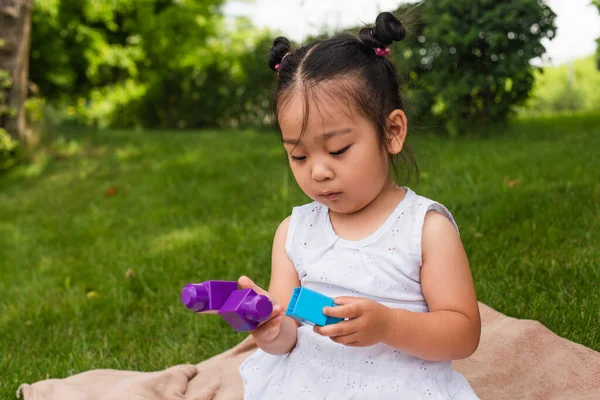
<point>396,131</point>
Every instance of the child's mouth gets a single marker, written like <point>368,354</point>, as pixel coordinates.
<point>330,196</point>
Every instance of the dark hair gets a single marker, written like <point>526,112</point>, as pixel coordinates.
<point>350,71</point>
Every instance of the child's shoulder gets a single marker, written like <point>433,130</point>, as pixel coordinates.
<point>422,207</point>
<point>415,199</point>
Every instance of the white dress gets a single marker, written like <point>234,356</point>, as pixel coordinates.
<point>384,267</point>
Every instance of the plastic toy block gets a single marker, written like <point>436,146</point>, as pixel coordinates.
<point>242,309</point>
<point>245,309</point>
<point>207,297</point>
<point>307,306</point>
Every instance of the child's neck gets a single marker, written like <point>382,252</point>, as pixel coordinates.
<point>364,222</point>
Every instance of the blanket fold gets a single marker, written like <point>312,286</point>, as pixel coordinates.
<point>516,359</point>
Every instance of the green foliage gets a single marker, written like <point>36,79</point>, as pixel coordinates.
<point>226,83</point>
<point>8,145</point>
<point>179,64</point>
<point>566,88</point>
<point>112,105</point>
<point>598,54</point>
<point>468,61</point>
<point>77,45</point>
<point>8,150</point>
<point>5,84</point>
<point>34,109</point>
<point>153,63</point>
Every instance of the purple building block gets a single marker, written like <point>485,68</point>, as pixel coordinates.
<point>207,297</point>
<point>245,309</point>
<point>242,309</point>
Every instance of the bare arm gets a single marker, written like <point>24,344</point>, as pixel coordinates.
<point>278,336</point>
<point>452,328</point>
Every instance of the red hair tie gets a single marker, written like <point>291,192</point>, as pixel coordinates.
<point>382,52</point>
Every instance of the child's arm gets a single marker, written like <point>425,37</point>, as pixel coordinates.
<point>450,331</point>
<point>452,328</point>
<point>279,336</point>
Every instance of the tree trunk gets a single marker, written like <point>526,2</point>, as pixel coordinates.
<point>15,24</point>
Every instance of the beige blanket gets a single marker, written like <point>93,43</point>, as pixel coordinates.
<point>517,359</point>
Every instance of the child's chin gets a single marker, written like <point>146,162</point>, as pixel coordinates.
<point>339,208</point>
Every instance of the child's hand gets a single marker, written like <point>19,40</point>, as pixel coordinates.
<point>367,324</point>
<point>269,329</point>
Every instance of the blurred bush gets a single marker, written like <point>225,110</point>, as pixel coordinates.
<point>181,64</point>
<point>8,146</point>
<point>467,62</point>
<point>8,150</point>
<point>152,63</point>
<point>566,88</point>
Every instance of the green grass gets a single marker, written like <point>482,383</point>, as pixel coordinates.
<point>192,206</point>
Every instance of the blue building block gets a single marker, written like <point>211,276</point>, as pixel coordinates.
<point>307,306</point>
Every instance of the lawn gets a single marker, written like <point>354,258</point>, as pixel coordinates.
<point>99,235</point>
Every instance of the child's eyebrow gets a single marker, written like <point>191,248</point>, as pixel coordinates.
<point>326,135</point>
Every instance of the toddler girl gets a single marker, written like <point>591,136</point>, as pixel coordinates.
<point>391,259</point>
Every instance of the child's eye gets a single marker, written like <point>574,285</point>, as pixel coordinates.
<point>337,153</point>
<point>297,158</point>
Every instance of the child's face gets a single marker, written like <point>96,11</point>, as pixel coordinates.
<point>339,152</point>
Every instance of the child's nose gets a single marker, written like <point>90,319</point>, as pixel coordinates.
<point>321,172</point>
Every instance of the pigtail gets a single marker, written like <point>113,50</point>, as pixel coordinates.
<point>387,29</point>
<point>281,48</point>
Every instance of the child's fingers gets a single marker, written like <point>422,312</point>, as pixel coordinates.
<point>343,311</point>
<point>340,300</point>
<point>277,310</point>
<point>340,329</point>
<point>246,283</point>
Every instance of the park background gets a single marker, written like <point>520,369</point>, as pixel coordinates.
<point>137,154</point>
